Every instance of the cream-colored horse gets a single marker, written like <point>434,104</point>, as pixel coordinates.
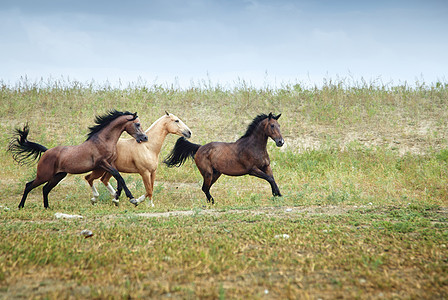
<point>142,158</point>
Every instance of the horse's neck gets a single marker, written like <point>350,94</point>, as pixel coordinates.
<point>258,139</point>
<point>156,133</point>
<point>112,133</point>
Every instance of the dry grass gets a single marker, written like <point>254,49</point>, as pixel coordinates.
<point>364,213</point>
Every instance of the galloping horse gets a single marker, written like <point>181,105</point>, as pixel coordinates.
<point>248,155</point>
<point>97,152</point>
<point>143,158</point>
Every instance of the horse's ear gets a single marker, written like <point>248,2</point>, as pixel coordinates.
<point>135,116</point>
<point>270,116</point>
<point>277,116</point>
<point>167,113</point>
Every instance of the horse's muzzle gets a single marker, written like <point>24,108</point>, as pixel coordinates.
<point>141,138</point>
<point>187,134</point>
<point>279,142</point>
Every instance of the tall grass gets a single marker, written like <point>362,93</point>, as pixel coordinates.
<point>364,170</point>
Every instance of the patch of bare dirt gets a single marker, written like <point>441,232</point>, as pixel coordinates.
<point>329,210</point>
<point>269,211</point>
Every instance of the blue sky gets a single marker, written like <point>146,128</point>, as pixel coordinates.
<point>261,42</point>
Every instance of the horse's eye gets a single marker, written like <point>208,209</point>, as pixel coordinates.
<point>137,124</point>
<point>272,126</point>
<point>177,121</point>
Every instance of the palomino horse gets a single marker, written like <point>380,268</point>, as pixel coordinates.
<point>97,152</point>
<point>143,158</point>
<point>248,155</point>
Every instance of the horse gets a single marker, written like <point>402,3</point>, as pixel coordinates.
<point>246,156</point>
<point>141,158</point>
<point>97,152</point>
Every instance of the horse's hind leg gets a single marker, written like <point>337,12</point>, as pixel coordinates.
<point>28,187</point>
<point>105,180</point>
<point>209,180</point>
<point>206,190</point>
<point>50,185</point>
<point>90,178</point>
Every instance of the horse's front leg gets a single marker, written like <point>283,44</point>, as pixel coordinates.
<point>120,182</point>
<point>268,176</point>
<point>148,181</point>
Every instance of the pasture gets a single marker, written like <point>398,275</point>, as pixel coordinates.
<point>364,212</point>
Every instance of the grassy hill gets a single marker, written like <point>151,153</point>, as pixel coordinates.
<point>364,174</point>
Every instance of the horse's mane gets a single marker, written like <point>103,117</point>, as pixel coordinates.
<point>252,126</point>
<point>104,120</point>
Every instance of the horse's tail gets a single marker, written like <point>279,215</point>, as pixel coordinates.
<point>23,151</point>
<point>182,150</point>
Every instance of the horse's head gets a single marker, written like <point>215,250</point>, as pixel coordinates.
<point>175,125</point>
<point>272,129</point>
<point>134,128</point>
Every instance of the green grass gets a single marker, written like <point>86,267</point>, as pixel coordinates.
<point>364,176</point>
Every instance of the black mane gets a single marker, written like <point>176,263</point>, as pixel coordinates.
<point>103,121</point>
<point>252,126</point>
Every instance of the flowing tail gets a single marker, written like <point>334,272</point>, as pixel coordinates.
<point>182,150</point>
<point>23,151</point>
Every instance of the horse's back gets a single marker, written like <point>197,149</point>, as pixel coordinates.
<point>215,150</point>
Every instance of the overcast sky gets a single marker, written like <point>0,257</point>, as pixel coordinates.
<point>262,42</point>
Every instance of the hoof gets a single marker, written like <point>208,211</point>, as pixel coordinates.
<point>133,201</point>
<point>115,201</point>
<point>140,199</point>
<point>150,203</point>
<point>93,200</point>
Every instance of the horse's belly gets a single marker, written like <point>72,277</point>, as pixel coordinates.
<point>229,167</point>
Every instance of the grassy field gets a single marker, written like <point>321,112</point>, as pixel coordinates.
<point>364,174</point>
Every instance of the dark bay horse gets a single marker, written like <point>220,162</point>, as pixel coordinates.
<point>97,152</point>
<point>248,155</point>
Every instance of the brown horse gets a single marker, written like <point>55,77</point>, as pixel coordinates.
<point>248,155</point>
<point>97,152</point>
<point>142,158</point>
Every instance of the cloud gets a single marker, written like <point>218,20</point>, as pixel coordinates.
<point>224,40</point>
<point>55,45</point>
